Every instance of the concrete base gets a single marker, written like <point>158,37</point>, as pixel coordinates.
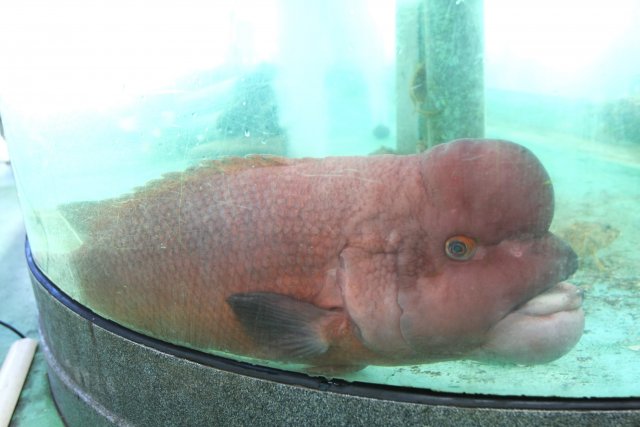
<point>103,374</point>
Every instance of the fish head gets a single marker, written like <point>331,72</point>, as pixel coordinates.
<point>495,288</point>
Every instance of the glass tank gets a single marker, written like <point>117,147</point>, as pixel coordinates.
<point>275,182</point>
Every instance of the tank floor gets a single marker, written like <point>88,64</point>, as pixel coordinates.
<point>18,308</point>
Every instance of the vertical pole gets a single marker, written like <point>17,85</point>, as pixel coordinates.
<point>409,59</point>
<point>444,77</point>
<point>454,65</point>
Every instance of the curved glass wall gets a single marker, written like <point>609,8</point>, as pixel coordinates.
<point>271,181</point>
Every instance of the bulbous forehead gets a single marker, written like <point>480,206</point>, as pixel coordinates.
<point>493,189</point>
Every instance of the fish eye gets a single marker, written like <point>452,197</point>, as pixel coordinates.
<point>460,248</point>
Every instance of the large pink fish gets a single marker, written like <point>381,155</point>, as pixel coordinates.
<point>341,262</point>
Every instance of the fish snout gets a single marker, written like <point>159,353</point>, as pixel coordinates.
<point>551,258</point>
<point>566,253</point>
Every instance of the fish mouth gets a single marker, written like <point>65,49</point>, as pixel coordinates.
<point>540,330</point>
<point>562,297</point>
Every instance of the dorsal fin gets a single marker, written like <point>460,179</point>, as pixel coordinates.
<point>229,165</point>
<point>83,215</point>
<point>224,165</point>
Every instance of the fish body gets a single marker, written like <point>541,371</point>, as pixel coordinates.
<point>341,262</point>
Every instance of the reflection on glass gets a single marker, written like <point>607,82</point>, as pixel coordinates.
<point>266,186</point>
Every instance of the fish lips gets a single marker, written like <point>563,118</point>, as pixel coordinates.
<point>539,331</point>
<point>543,328</point>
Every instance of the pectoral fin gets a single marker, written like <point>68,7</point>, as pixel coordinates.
<point>292,327</point>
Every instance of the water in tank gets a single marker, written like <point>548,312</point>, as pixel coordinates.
<point>273,181</point>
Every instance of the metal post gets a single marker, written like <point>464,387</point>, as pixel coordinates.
<point>440,77</point>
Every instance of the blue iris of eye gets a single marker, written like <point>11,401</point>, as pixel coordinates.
<point>457,248</point>
<point>460,248</point>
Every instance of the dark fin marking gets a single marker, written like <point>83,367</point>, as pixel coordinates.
<point>281,322</point>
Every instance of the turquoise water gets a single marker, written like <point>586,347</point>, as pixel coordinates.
<point>596,186</point>
<point>360,90</point>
